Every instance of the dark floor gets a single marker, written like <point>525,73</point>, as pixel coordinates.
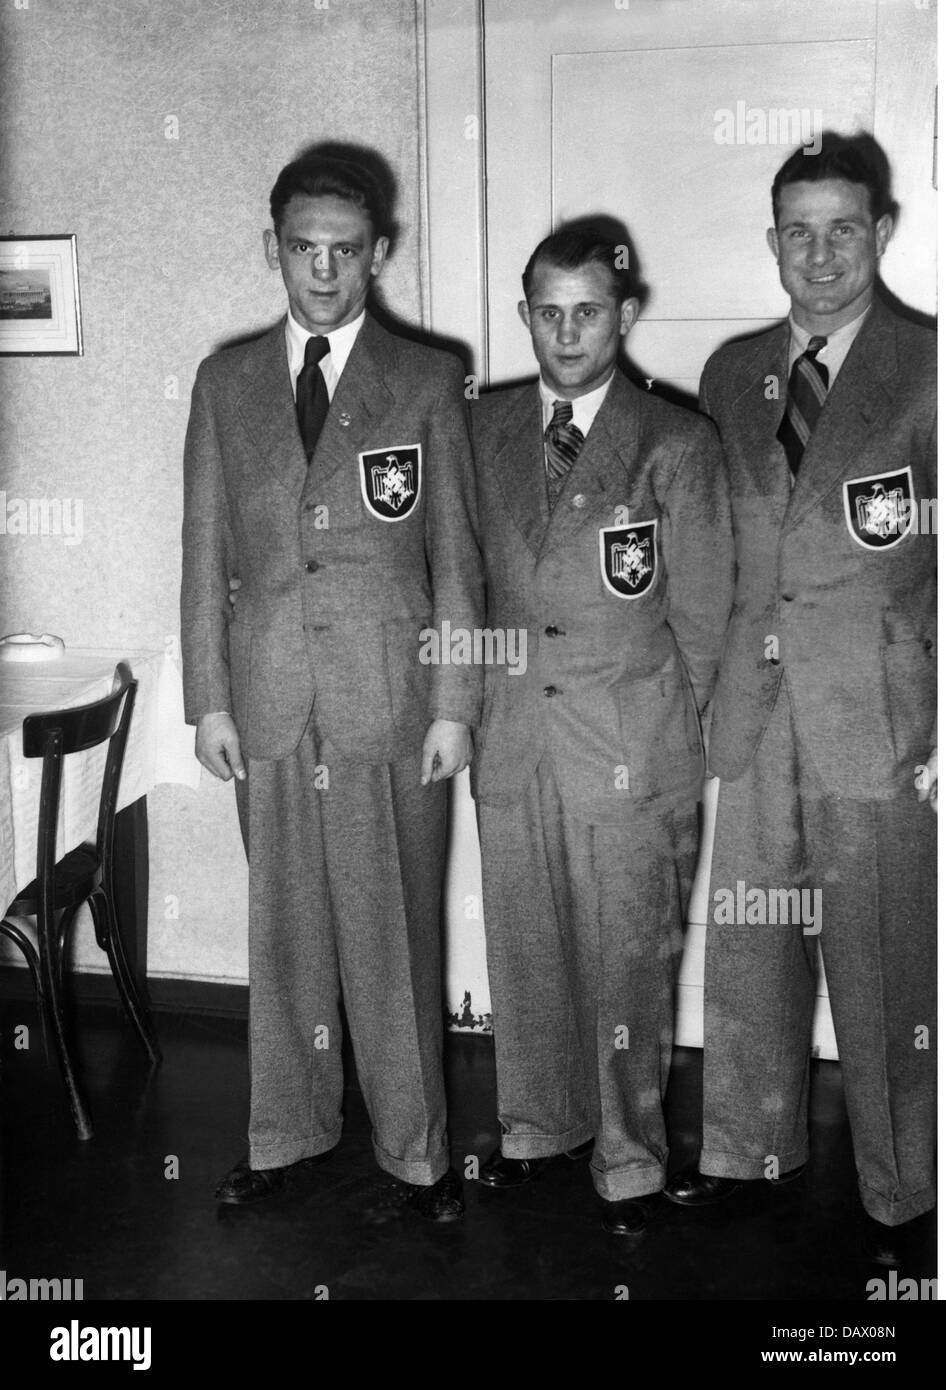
<point>105,1212</point>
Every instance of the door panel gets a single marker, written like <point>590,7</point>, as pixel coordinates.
<point>618,107</point>
<point>678,167</point>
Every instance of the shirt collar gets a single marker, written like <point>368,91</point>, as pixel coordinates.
<point>340,342</point>
<point>584,408</point>
<point>837,347</point>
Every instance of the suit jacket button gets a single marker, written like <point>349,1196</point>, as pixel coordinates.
<point>551,690</point>
<point>311,566</point>
<point>553,631</point>
<point>788,598</point>
<point>579,500</point>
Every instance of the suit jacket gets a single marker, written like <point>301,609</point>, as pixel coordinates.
<point>852,611</point>
<point>617,667</point>
<point>336,588</point>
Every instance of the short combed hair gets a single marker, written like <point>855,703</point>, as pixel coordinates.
<point>855,158</point>
<point>317,175</point>
<point>579,245</point>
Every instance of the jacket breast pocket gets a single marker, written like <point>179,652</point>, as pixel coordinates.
<point>910,673</point>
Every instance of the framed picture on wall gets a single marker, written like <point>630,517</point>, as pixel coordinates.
<point>39,297</point>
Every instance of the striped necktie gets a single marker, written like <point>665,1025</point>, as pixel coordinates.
<point>563,442</point>
<point>807,393</point>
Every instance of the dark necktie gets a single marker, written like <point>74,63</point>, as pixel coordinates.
<point>563,442</point>
<point>807,392</point>
<point>312,395</point>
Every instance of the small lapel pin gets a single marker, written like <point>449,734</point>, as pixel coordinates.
<point>344,419</point>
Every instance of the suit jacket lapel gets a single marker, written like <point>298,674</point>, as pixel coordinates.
<point>268,410</point>
<point>362,397</point>
<point>605,463</point>
<point>519,465</point>
<point>856,405</point>
<point>758,410</point>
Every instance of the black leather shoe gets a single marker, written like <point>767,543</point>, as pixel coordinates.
<point>441,1201</point>
<point>245,1184</point>
<point>690,1188</point>
<point>892,1246</point>
<point>627,1218</point>
<point>883,1245</point>
<point>784,1179</point>
<point>498,1171</point>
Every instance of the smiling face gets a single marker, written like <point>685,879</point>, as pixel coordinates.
<point>328,255</point>
<point>576,325</point>
<point>827,246</point>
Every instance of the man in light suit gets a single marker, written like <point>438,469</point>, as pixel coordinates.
<point>823,717</point>
<point>606,537</point>
<point>328,467</point>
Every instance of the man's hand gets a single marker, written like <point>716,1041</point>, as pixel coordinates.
<point>448,749</point>
<point>218,747</point>
<point>232,595</point>
<point>925,781</point>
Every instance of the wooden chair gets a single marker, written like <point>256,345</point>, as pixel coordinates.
<point>85,874</point>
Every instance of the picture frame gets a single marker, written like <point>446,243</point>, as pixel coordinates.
<point>39,297</point>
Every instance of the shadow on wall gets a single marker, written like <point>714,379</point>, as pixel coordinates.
<point>618,233</point>
<point>384,176</point>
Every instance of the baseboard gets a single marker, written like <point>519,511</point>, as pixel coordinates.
<point>174,996</point>
<point>165,995</point>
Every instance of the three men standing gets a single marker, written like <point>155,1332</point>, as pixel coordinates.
<point>328,466</point>
<point>824,712</point>
<point>349,514</point>
<point>606,536</point>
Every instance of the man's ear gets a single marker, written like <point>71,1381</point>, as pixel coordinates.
<point>883,231</point>
<point>771,237</point>
<point>629,312</point>
<point>378,254</point>
<point>524,313</point>
<point>271,248</point>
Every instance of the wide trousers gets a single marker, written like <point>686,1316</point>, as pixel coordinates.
<point>345,874</point>
<point>583,938</point>
<point>873,863</point>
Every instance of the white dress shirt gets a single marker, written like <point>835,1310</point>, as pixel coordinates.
<point>832,355</point>
<point>584,408</point>
<point>340,343</point>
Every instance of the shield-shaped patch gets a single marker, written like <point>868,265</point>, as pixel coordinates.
<point>629,558</point>
<point>390,480</point>
<point>879,509</point>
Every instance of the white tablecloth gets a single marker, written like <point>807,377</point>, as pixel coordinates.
<point>160,748</point>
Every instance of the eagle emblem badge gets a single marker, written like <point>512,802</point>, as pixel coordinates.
<point>879,509</point>
<point>390,480</point>
<point>629,558</point>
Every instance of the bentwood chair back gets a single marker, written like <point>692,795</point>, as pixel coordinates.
<point>85,874</point>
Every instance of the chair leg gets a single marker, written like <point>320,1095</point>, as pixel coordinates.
<point>109,938</point>
<point>51,976</point>
<point>65,926</point>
